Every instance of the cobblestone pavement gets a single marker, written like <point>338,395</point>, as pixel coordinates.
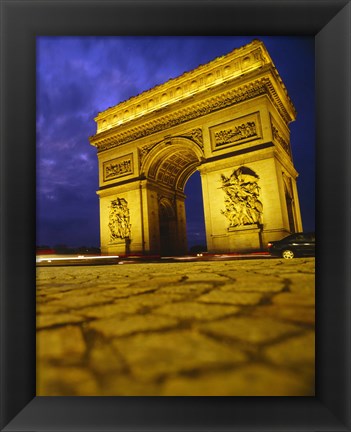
<point>228,328</point>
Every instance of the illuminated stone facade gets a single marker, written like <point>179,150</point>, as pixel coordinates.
<point>228,119</point>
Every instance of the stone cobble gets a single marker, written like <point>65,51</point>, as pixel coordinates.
<point>207,328</point>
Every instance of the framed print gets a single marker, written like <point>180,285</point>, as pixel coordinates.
<point>23,23</point>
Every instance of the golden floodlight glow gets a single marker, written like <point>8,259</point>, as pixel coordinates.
<point>229,119</point>
<point>233,65</point>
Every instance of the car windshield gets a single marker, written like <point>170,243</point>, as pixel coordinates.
<point>293,237</point>
<point>308,237</point>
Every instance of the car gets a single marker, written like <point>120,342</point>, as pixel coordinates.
<point>297,244</point>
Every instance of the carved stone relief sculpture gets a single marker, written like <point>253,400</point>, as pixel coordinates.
<point>180,116</point>
<point>238,133</point>
<point>196,136</point>
<point>118,167</point>
<point>119,219</point>
<point>242,204</point>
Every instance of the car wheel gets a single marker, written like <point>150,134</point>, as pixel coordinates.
<point>288,254</point>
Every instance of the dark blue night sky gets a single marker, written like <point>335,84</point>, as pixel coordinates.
<point>77,77</point>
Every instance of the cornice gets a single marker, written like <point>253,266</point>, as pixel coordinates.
<point>118,136</point>
<point>240,62</point>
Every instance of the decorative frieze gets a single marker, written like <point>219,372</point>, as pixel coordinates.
<point>118,167</point>
<point>236,132</point>
<point>242,204</point>
<point>106,140</point>
<point>119,220</point>
<point>196,136</point>
<point>204,77</point>
<point>159,109</point>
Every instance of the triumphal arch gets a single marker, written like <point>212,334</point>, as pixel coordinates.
<point>228,119</point>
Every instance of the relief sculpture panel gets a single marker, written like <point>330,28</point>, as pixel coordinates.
<point>118,167</point>
<point>227,136</point>
<point>236,132</point>
<point>119,220</point>
<point>242,204</point>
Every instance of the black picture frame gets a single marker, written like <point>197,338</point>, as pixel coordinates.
<point>329,22</point>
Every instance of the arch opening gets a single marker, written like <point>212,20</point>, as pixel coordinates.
<point>195,219</point>
<point>171,162</point>
<point>168,227</point>
<point>168,167</point>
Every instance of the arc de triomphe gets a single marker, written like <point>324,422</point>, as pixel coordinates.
<point>228,119</point>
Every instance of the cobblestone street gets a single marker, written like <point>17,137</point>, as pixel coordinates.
<point>215,328</point>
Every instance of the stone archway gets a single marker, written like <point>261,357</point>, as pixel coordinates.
<point>228,119</point>
<point>166,167</point>
<point>170,162</point>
